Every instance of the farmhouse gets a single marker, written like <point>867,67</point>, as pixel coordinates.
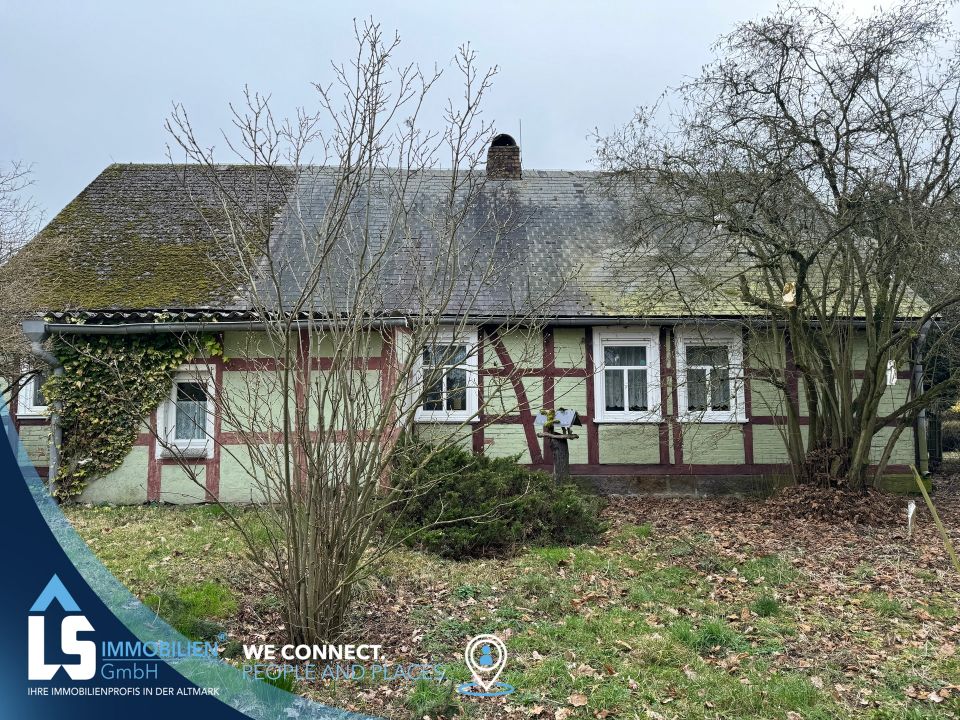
<point>666,378</point>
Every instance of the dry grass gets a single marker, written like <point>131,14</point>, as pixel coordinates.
<point>686,609</point>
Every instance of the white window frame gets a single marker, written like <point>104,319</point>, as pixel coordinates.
<point>167,416</point>
<point>626,336</point>
<point>464,336</point>
<point>702,337</point>
<point>25,406</point>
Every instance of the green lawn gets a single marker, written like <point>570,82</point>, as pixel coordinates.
<point>686,609</point>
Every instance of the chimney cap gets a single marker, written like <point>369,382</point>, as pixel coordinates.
<point>503,140</point>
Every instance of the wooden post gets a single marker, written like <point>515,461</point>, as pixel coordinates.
<point>561,459</point>
<point>558,437</point>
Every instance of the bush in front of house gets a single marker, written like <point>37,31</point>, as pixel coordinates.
<point>463,505</point>
<point>950,435</point>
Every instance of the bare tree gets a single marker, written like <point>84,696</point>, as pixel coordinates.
<point>806,182</point>
<point>19,219</point>
<point>366,289</point>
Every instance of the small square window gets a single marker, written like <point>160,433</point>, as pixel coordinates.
<point>30,400</point>
<point>187,416</point>
<point>191,411</point>
<point>708,378</point>
<point>448,368</point>
<point>625,378</point>
<point>445,367</point>
<point>38,398</point>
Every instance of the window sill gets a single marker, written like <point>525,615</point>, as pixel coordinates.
<point>447,419</point>
<point>33,414</point>
<point>646,420</point>
<point>188,453</point>
<point>713,420</point>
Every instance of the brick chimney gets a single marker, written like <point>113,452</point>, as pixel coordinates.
<point>503,158</point>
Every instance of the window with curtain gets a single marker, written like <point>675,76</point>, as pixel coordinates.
<point>448,371</point>
<point>187,416</point>
<point>30,399</point>
<point>708,378</point>
<point>625,378</point>
<point>38,399</point>
<point>627,383</point>
<point>445,371</point>
<point>190,411</point>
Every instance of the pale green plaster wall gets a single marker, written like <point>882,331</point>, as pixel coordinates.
<point>241,481</point>
<point>569,348</point>
<point>249,345</point>
<point>369,344</point>
<point>571,393</point>
<point>127,485</point>
<point>362,384</point>
<point>439,432</point>
<point>176,485</point>
<point>767,399</point>
<point>625,444</point>
<point>254,400</point>
<point>36,443</point>
<point>768,444</point>
<point>534,389</point>
<point>903,450</point>
<point>506,440</point>
<point>712,443</point>
<point>578,447</point>
<point>765,352</point>
<point>894,396</point>
<point>525,349</point>
<point>501,399</point>
<point>258,345</point>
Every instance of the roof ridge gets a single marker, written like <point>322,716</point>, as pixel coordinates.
<point>541,172</point>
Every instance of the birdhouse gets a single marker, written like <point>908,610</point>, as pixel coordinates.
<point>568,418</point>
<point>555,426</point>
<point>789,295</point>
<point>891,372</point>
<point>562,417</point>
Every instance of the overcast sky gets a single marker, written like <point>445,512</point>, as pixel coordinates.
<point>89,83</point>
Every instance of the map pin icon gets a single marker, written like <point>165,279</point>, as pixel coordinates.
<point>485,656</point>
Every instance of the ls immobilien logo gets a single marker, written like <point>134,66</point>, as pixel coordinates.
<point>72,624</point>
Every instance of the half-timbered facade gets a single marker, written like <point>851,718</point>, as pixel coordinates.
<point>670,401</point>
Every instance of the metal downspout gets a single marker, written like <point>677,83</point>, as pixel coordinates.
<point>923,455</point>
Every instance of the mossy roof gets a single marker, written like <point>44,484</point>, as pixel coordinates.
<point>150,237</point>
<point>145,236</point>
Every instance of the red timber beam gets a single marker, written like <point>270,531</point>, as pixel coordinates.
<point>593,431</point>
<point>526,418</point>
<point>212,474</point>
<point>302,377</point>
<point>388,365</point>
<point>747,402</point>
<point>549,384</point>
<point>153,463</point>
<point>671,336</point>
<point>664,427</point>
<point>654,470</point>
<point>317,363</point>
<point>477,434</point>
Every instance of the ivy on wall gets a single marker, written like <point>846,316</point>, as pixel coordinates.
<point>109,386</point>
